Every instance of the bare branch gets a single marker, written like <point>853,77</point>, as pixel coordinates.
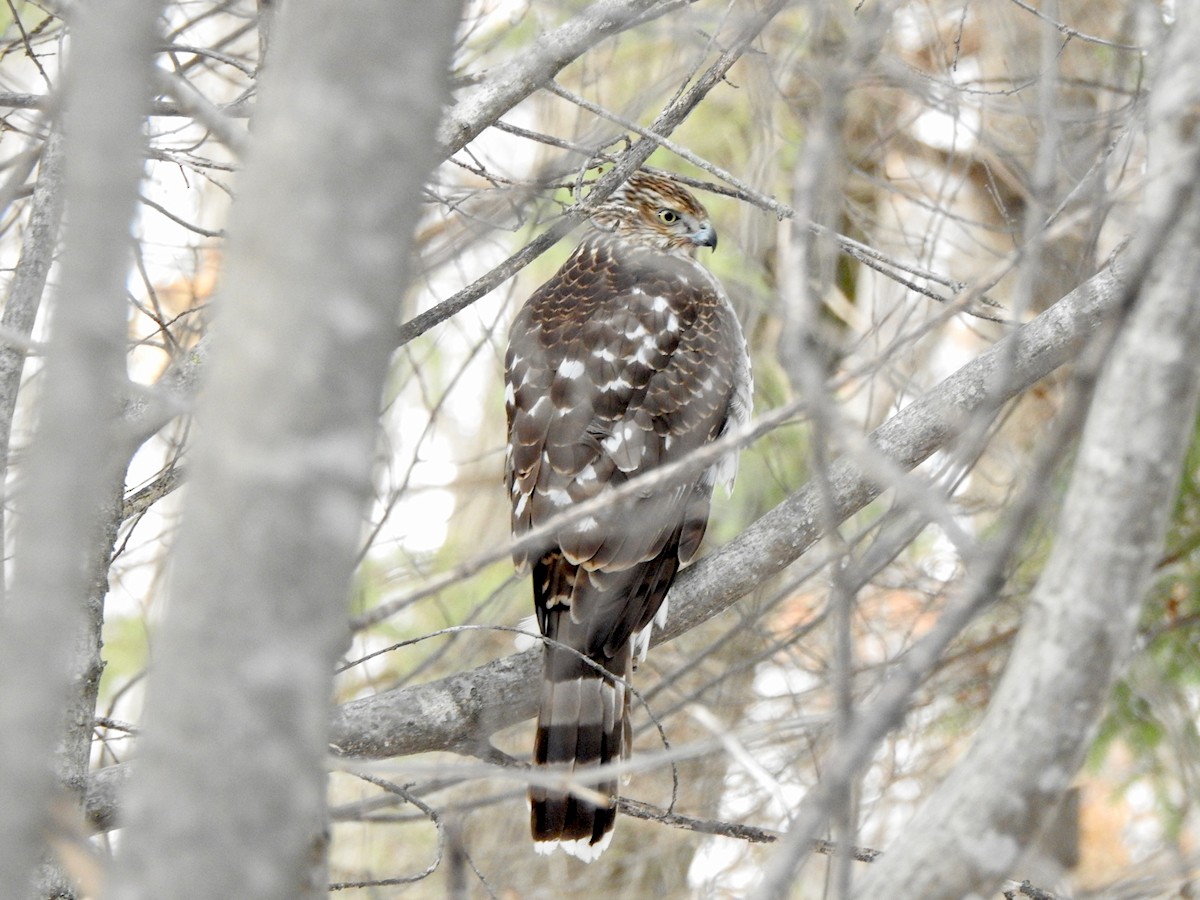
<point>461,711</point>
<point>666,122</point>
<point>25,294</point>
<point>49,638</point>
<point>1083,612</point>
<point>554,50</point>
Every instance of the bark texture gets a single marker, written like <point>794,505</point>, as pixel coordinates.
<point>73,461</point>
<point>237,708</point>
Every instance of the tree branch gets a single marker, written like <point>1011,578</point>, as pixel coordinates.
<point>550,53</point>
<point>461,711</point>
<point>25,295</point>
<point>49,639</point>
<point>1083,613</point>
<point>235,713</point>
<point>665,123</point>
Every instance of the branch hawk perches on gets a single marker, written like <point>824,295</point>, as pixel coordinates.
<point>630,357</point>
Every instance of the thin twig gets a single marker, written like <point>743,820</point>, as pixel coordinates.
<point>666,122</point>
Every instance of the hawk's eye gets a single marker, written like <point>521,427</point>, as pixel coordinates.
<point>668,216</point>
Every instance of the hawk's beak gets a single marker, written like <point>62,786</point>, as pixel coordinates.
<point>705,237</point>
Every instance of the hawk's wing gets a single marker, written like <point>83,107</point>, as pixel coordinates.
<point>616,366</point>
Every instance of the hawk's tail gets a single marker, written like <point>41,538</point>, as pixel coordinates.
<point>583,722</point>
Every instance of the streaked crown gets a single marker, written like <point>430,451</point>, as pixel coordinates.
<point>656,212</point>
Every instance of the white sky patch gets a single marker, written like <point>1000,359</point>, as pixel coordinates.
<point>420,520</point>
<point>426,520</point>
<point>466,350</point>
<point>136,575</point>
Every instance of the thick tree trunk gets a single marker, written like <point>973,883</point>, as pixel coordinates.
<point>237,706</point>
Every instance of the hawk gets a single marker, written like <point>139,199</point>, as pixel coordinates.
<point>629,358</point>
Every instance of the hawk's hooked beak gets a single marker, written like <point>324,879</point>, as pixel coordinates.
<point>705,237</point>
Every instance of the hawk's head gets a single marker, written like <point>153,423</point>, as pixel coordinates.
<point>656,212</point>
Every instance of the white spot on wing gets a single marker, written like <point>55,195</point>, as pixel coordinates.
<point>571,368</point>
<point>645,352</point>
<point>636,330</point>
<point>622,435</point>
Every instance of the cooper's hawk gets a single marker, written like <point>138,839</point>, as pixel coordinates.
<point>628,358</point>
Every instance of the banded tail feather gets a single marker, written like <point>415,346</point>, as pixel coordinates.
<point>583,722</point>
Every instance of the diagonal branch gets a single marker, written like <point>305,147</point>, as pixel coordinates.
<point>550,54</point>
<point>1082,615</point>
<point>461,711</point>
<point>666,122</point>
